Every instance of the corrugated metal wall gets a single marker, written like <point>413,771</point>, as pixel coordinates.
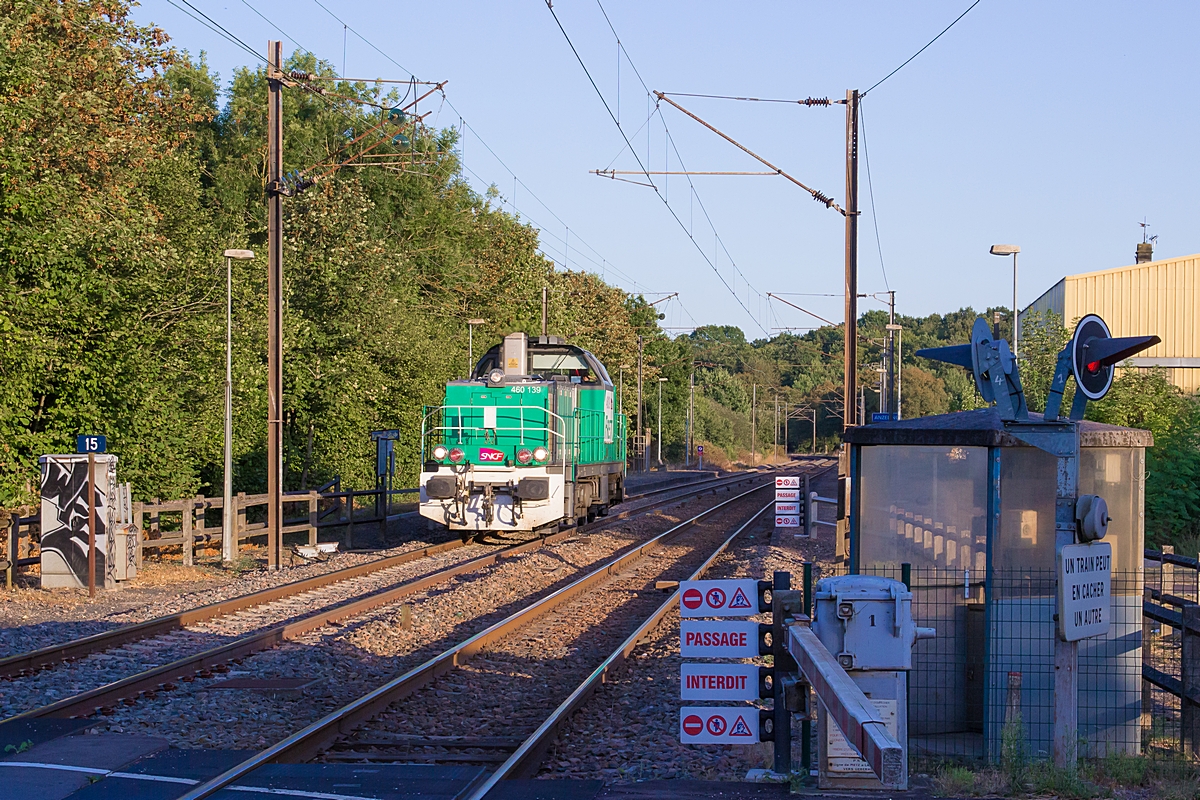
<point>1158,297</point>
<point>1051,300</point>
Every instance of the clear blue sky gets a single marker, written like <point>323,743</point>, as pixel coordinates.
<point>1055,126</point>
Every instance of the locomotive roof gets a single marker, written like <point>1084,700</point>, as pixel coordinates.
<point>543,345</point>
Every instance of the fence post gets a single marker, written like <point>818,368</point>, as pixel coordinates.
<point>188,541</point>
<point>350,521</point>
<point>155,526</point>
<point>139,515</point>
<point>240,529</point>
<point>313,498</point>
<point>1189,657</point>
<point>14,538</point>
<point>200,522</point>
<point>1166,580</point>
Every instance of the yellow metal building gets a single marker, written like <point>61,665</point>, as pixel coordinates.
<point>1153,297</point>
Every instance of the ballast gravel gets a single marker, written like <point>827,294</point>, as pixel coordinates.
<point>629,730</point>
<point>348,660</point>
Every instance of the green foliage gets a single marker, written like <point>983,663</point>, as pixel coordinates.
<point>122,182</point>
<point>1015,765</point>
<point>1043,337</point>
<point>1148,400</point>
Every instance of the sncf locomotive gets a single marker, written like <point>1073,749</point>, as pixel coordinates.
<point>529,440</point>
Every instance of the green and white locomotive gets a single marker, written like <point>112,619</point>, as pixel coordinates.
<point>530,440</point>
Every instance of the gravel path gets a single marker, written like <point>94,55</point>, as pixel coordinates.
<point>629,730</point>
<point>348,660</point>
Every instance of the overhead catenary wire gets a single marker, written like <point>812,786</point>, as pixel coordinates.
<point>922,50</point>
<point>644,168</point>
<point>871,193</point>
<point>464,126</point>
<point>215,27</point>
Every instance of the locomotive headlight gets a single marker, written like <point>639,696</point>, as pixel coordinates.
<point>524,456</point>
<point>496,377</point>
<point>457,455</point>
<point>440,452</point>
<point>540,454</point>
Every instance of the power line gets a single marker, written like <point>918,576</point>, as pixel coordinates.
<point>922,50</point>
<point>482,141</point>
<point>215,27</point>
<point>871,192</point>
<point>637,158</point>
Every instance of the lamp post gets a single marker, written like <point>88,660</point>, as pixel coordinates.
<point>228,540</point>
<point>471,323</point>
<point>661,381</point>
<point>1011,250</point>
<point>899,331</point>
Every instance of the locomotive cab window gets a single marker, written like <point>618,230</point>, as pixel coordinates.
<point>566,364</point>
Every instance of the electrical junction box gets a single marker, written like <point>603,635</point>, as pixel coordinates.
<point>866,622</point>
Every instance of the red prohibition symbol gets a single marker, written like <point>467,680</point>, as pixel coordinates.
<point>716,725</point>
<point>692,599</point>
<point>715,598</point>
<point>692,725</point>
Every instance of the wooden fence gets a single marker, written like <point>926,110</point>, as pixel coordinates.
<point>185,523</point>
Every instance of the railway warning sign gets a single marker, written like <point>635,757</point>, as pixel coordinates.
<point>718,725</point>
<point>787,495</point>
<point>787,482</point>
<point>787,520</point>
<point>705,639</point>
<point>718,598</point>
<point>1084,588</point>
<point>787,509</point>
<point>718,681</point>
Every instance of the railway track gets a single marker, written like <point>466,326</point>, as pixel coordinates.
<point>523,675</point>
<point>156,655</point>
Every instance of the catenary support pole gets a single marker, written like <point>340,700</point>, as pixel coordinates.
<point>753,423</point>
<point>275,307</point>
<point>850,364</point>
<point>640,419</point>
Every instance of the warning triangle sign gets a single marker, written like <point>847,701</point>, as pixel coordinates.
<point>739,600</point>
<point>740,728</point>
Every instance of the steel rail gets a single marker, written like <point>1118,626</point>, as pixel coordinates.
<point>527,758</point>
<point>87,703</point>
<point>319,735</point>
<point>24,663</point>
<point>14,666</point>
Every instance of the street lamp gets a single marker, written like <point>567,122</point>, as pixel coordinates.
<point>899,329</point>
<point>471,323</point>
<point>661,381</point>
<point>1011,250</point>
<point>228,541</point>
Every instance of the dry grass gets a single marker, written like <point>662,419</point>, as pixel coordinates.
<point>165,574</point>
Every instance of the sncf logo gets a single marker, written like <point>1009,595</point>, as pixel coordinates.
<point>488,454</point>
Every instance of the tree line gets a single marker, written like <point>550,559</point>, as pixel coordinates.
<point>127,167</point>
